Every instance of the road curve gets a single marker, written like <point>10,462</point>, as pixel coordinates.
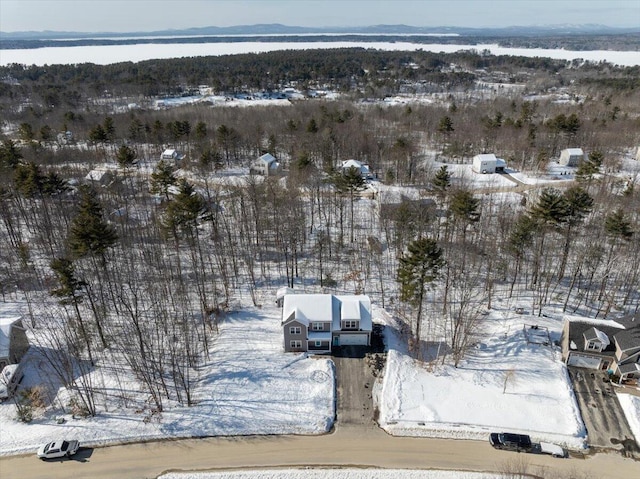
<point>348,446</point>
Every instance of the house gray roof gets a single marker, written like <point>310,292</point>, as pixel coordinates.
<point>628,339</point>
<point>629,368</point>
<point>592,334</point>
<point>577,330</point>
<point>308,308</point>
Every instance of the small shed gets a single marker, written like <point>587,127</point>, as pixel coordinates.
<point>280,294</point>
<point>571,157</point>
<point>485,163</point>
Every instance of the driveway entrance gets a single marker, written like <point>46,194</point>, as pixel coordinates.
<point>606,423</point>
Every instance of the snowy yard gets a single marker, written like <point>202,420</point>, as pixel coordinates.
<point>249,386</point>
<point>430,399</point>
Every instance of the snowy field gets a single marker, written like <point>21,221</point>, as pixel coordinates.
<point>108,54</point>
<point>468,402</point>
<point>249,386</point>
<point>333,474</point>
<point>631,407</point>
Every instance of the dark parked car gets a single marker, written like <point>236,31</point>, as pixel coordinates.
<point>510,442</point>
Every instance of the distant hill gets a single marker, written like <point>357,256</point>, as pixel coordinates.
<point>278,29</point>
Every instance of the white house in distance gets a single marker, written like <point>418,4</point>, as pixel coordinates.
<point>363,168</point>
<point>571,157</point>
<point>488,163</point>
<point>171,154</point>
<point>266,165</point>
<point>319,322</point>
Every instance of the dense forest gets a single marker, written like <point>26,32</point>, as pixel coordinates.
<point>142,266</point>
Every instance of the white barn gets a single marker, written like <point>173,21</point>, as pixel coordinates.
<point>485,163</point>
<point>571,157</point>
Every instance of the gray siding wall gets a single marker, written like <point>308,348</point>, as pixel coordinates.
<point>344,328</point>
<point>288,337</point>
<point>325,327</point>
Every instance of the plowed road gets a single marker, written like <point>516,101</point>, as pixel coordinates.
<point>348,446</point>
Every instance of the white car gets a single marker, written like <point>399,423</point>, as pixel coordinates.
<point>10,377</point>
<point>58,448</point>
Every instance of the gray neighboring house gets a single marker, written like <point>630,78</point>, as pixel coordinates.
<point>317,323</point>
<point>266,165</point>
<point>13,340</point>
<point>612,345</point>
<point>571,157</point>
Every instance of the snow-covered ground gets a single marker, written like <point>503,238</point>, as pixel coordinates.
<point>631,407</point>
<point>332,474</point>
<point>419,398</point>
<point>249,386</point>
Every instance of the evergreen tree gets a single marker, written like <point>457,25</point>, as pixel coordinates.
<point>184,212</point>
<point>551,208</point>
<point>618,226</point>
<point>418,268</point>
<point>442,180</point>
<point>162,179</point>
<point>70,293</point>
<point>10,154</point>
<point>126,157</point>
<point>89,233</point>
<point>464,206</point>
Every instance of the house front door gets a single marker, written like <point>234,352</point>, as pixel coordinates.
<point>336,340</point>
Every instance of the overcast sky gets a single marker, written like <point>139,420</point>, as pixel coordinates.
<point>149,15</point>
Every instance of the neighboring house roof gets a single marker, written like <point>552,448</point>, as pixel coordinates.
<point>267,158</point>
<point>574,151</point>
<point>628,339</point>
<point>594,333</point>
<point>6,323</point>
<point>486,157</point>
<point>628,368</point>
<point>363,168</point>
<point>578,330</point>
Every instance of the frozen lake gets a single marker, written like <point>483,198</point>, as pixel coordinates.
<point>108,54</point>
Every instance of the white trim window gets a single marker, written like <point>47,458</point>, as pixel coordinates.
<point>351,325</point>
<point>317,327</point>
<point>295,344</point>
<point>295,330</point>
<point>318,344</point>
<point>594,346</point>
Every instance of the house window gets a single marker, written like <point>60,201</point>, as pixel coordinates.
<point>593,346</point>
<point>318,344</point>
<point>296,344</point>
<point>294,330</point>
<point>350,324</point>
<point>317,327</point>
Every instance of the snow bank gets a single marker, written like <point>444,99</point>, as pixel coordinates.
<point>631,407</point>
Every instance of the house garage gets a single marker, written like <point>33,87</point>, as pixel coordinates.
<point>354,339</point>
